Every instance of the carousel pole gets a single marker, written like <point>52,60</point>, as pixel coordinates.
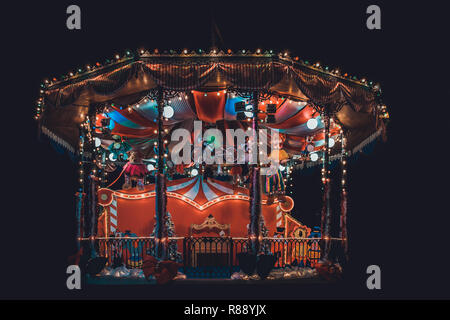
<point>93,203</point>
<point>326,180</point>
<point>160,188</point>
<point>343,220</point>
<point>255,185</point>
<point>80,195</point>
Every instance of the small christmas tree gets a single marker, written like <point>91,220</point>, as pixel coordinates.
<point>265,244</point>
<point>172,251</point>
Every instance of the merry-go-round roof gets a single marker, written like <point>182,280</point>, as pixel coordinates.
<point>205,86</point>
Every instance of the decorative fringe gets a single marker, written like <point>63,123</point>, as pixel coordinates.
<point>311,164</point>
<point>366,141</point>
<point>335,157</point>
<point>57,139</point>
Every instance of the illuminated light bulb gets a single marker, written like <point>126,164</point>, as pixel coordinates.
<point>310,147</point>
<point>194,172</point>
<point>168,112</point>
<point>97,142</point>
<point>150,167</point>
<point>112,157</point>
<point>314,157</point>
<point>331,142</point>
<point>282,168</point>
<point>312,123</point>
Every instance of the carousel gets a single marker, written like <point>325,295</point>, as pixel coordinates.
<point>141,212</point>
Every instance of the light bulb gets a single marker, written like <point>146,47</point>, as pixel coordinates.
<point>312,123</point>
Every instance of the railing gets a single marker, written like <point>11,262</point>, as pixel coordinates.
<point>206,257</point>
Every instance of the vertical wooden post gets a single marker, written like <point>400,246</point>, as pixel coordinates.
<point>255,185</point>
<point>93,203</point>
<point>343,220</point>
<point>160,188</point>
<point>93,212</point>
<point>78,213</point>
<point>326,180</point>
<point>80,195</point>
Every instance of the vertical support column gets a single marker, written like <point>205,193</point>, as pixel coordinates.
<point>255,185</point>
<point>326,180</point>
<point>160,188</point>
<point>343,220</point>
<point>80,195</point>
<point>78,214</point>
<point>93,210</point>
<point>93,181</point>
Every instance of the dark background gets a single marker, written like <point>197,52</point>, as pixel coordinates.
<point>395,218</point>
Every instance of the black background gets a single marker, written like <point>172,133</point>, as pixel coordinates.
<point>396,219</point>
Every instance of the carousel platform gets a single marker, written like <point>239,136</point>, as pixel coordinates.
<point>103,281</point>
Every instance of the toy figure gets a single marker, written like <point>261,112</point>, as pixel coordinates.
<point>135,170</point>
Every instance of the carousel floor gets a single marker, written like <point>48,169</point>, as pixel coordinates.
<point>210,281</point>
